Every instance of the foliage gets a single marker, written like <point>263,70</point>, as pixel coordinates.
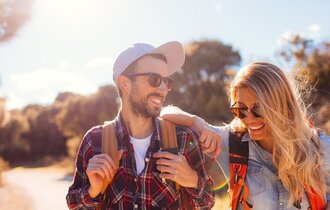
<point>81,113</point>
<point>201,85</point>
<point>2,110</point>
<point>37,132</point>
<point>311,63</point>
<point>12,146</point>
<point>13,15</point>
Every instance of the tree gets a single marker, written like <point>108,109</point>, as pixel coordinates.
<point>55,130</point>
<point>201,86</point>
<point>80,113</point>
<point>12,146</point>
<point>13,15</point>
<point>311,63</point>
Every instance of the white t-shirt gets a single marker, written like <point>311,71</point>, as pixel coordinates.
<point>140,148</point>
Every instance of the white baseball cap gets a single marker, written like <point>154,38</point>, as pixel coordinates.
<point>173,51</point>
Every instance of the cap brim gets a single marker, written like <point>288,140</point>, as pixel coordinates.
<point>174,54</point>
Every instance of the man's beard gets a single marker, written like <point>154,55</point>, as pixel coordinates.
<point>141,107</point>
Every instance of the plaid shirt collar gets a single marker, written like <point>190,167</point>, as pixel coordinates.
<point>124,137</point>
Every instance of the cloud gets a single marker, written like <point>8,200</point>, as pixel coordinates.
<point>99,69</point>
<point>287,37</point>
<point>42,85</point>
<point>218,7</point>
<point>314,28</point>
<point>313,31</point>
<point>14,101</point>
<point>99,62</point>
<point>43,80</point>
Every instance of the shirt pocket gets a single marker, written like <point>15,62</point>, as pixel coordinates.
<point>164,194</point>
<point>255,178</point>
<point>116,189</point>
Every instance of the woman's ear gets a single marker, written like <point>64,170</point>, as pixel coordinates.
<point>123,83</point>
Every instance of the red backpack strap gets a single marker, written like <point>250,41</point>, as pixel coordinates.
<point>316,201</point>
<point>238,163</point>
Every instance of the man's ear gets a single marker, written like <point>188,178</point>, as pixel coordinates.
<point>123,83</point>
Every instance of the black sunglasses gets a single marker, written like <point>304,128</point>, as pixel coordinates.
<point>241,112</point>
<point>155,80</point>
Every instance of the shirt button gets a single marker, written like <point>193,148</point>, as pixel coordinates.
<point>281,204</point>
<point>135,179</point>
<point>136,206</point>
<point>146,159</point>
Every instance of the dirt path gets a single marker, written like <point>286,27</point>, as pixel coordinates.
<point>41,188</point>
<point>44,189</point>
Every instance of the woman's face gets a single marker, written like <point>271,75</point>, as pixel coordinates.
<point>255,125</point>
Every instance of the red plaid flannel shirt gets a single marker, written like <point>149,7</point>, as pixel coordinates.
<point>128,190</point>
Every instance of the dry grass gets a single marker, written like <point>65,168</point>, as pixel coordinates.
<point>221,202</point>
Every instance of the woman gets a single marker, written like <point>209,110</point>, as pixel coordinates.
<point>288,160</point>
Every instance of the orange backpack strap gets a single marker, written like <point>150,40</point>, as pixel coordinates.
<point>168,134</point>
<point>238,163</point>
<point>109,146</point>
<point>316,201</point>
<point>169,140</point>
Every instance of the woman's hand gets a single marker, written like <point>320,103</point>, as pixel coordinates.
<point>210,140</point>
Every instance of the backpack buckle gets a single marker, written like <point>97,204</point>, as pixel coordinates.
<point>237,168</point>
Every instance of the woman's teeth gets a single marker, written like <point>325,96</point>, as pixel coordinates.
<point>255,127</point>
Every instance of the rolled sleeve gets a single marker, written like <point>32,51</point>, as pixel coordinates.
<point>78,196</point>
<point>201,197</point>
<point>223,158</point>
<point>197,193</point>
<point>88,201</point>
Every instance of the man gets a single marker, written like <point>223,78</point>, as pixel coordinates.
<point>146,178</point>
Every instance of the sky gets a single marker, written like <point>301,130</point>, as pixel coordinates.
<point>70,45</point>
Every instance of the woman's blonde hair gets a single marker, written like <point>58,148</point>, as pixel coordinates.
<point>297,151</point>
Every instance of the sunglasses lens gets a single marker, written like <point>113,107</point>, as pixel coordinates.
<point>169,83</point>
<point>242,112</point>
<point>256,111</point>
<point>155,80</point>
<point>238,112</point>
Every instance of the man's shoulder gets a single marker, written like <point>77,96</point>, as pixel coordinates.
<point>95,130</point>
<point>185,130</point>
<point>93,135</point>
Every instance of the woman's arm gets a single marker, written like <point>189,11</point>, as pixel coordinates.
<point>178,116</point>
<point>210,139</point>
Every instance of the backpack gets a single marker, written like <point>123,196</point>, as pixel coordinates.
<point>110,146</point>
<point>238,163</point>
